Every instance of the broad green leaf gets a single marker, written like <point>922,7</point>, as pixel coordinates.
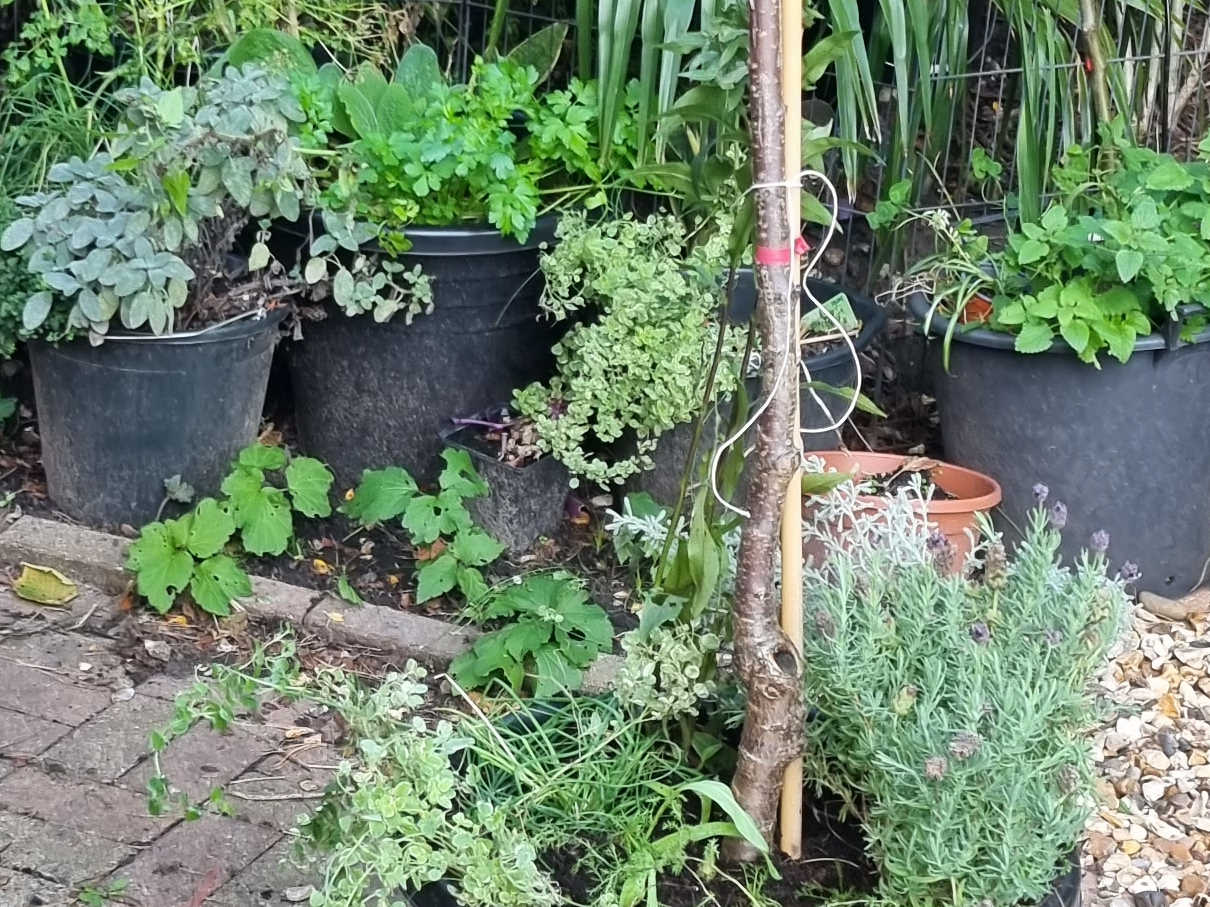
<point>525,637</point>
<point>309,482</point>
<point>359,108</point>
<point>436,577</point>
<point>1032,250</point>
<point>1169,175</point>
<point>1146,215</point>
<point>383,494</point>
<point>1035,337</point>
<point>16,234</point>
<point>817,483</point>
<point>271,47</point>
<point>541,49</point>
<point>262,456</point>
<point>316,270</point>
<point>37,307</point>
<point>553,673</point>
<point>459,474</point>
<point>170,107</point>
<point>1054,219</point>
<point>475,547</point>
<point>1076,334</point>
<point>210,529</point>
<point>1129,262</point>
<point>419,71</point>
<point>589,620</point>
<point>472,585</point>
<point>264,520</point>
<point>217,581</point>
<point>259,257</point>
<point>161,568</point>
<point>396,109</point>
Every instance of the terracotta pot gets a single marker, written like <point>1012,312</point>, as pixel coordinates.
<point>972,491</point>
<point>977,311</point>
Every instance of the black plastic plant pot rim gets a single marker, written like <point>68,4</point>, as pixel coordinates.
<point>872,315</point>
<point>248,326</point>
<point>998,340</point>
<point>454,240</point>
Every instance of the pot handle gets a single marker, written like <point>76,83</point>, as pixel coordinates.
<point>1174,327</point>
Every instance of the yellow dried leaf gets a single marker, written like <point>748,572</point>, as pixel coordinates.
<point>44,586</point>
<point>320,566</point>
<point>392,579</point>
<point>349,494</point>
<point>335,616</point>
<point>178,620</point>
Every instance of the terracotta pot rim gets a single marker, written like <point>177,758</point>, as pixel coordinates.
<point>876,463</point>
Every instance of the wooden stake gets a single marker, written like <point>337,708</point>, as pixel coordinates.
<point>791,522</point>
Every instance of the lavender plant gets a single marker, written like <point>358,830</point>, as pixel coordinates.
<point>952,710</point>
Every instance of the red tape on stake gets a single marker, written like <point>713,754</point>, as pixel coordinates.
<point>780,255</point>
<point>766,255</point>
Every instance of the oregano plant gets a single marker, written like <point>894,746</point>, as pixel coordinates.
<point>450,548</point>
<point>198,552</point>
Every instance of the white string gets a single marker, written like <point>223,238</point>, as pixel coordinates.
<point>794,348</point>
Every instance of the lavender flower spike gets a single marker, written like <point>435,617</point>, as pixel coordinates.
<point>1058,514</point>
<point>1100,541</point>
<point>1041,493</point>
<point>1130,572</point>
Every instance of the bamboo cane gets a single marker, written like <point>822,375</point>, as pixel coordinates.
<point>791,522</point>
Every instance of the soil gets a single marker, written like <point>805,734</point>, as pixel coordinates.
<point>890,483</point>
<point>833,860</point>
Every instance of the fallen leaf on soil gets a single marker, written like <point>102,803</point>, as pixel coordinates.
<point>392,579</point>
<point>407,600</point>
<point>179,620</point>
<point>349,494</point>
<point>320,566</point>
<point>44,586</point>
<point>157,649</point>
<point>207,886</point>
<point>430,552</point>
<point>270,437</point>
<point>294,733</point>
<point>335,616</point>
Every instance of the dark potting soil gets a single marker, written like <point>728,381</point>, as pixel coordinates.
<point>890,483</point>
<point>833,861</point>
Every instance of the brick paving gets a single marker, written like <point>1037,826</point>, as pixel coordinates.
<point>74,766</point>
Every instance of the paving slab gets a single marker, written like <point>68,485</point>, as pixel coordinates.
<point>278,791</point>
<point>200,760</point>
<point>113,741</point>
<point>45,694</point>
<point>102,809</point>
<point>24,736</point>
<point>92,610</point>
<point>265,882</point>
<point>201,854</point>
<point>69,856</point>
<point>19,889</point>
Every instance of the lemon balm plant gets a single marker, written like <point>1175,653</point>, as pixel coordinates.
<point>1098,312</point>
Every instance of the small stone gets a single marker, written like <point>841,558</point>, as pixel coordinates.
<point>1106,793</point>
<point>1100,846</point>
<point>1197,757</point>
<point>157,649</point>
<point>1155,759</point>
<point>298,894</point>
<point>1154,790</point>
<point>1115,863</point>
<point>1129,726</point>
<point>1167,742</point>
<point>1177,851</point>
<point>1194,883</point>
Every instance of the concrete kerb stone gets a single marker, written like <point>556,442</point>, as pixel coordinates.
<point>97,558</point>
<point>85,555</point>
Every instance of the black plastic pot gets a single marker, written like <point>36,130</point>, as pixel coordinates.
<point>1125,447</point>
<point>1067,890</point>
<point>525,503</point>
<point>370,395</point>
<point>834,367</point>
<point>118,419</point>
